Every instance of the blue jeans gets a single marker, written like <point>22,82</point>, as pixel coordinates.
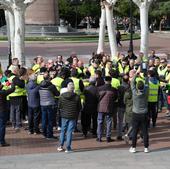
<point>162,98</point>
<point>100,120</point>
<point>47,120</point>
<point>3,120</point>
<point>67,127</point>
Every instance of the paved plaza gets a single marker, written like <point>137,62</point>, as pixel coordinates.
<point>35,152</point>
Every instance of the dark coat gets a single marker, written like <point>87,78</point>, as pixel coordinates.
<point>91,99</point>
<point>107,96</point>
<point>33,94</point>
<point>69,105</point>
<point>3,101</point>
<point>129,105</point>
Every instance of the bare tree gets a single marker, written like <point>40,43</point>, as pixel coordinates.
<point>144,10</point>
<point>107,19</point>
<point>15,15</point>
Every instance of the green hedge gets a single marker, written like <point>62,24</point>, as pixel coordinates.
<point>77,38</point>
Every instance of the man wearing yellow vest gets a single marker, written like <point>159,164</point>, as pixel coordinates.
<point>16,98</point>
<point>115,83</point>
<point>152,98</point>
<point>94,66</point>
<point>123,66</point>
<point>78,86</point>
<point>40,76</point>
<point>107,68</point>
<point>162,69</point>
<point>57,81</point>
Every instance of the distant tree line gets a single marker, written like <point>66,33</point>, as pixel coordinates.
<point>68,10</point>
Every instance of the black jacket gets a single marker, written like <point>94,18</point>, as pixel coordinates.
<point>3,101</point>
<point>91,99</point>
<point>69,105</point>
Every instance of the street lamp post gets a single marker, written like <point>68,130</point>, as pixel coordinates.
<point>76,8</point>
<point>131,27</point>
<point>76,3</point>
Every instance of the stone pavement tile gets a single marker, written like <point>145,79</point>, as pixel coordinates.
<point>22,143</point>
<point>100,159</point>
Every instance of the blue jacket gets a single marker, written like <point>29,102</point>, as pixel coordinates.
<point>33,94</point>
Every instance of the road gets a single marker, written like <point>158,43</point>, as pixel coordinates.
<point>159,42</point>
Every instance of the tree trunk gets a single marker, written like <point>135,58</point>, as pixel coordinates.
<point>19,34</point>
<point>111,32</point>
<point>144,47</point>
<point>11,32</point>
<point>102,31</point>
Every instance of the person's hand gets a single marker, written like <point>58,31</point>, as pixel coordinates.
<point>138,70</point>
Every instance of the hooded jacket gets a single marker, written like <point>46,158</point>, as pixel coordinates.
<point>47,93</point>
<point>33,94</point>
<point>69,105</point>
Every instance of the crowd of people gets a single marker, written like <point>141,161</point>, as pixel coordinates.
<point>125,95</point>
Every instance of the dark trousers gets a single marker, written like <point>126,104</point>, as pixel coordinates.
<point>140,122</point>
<point>86,119</point>
<point>115,112</point>
<point>152,113</point>
<point>33,119</point>
<point>24,108</point>
<point>162,99</point>
<point>3,120</point>
<point>15,113</point>
<point>47,120</point>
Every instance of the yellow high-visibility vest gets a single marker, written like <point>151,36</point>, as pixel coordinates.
<point>115,83</point>
<point>57,82</point>
<point>123,70</point>
<point>40,78</point>
<point>36,68</point>
<point>153,92</point>
<point>76,85</point>
<point>162,72</point>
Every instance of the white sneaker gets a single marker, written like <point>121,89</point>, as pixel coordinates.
<point>126,138</point>
<point>59,128</point>
<point>146,150</point>
<point>60,149</point>
<point>68,151</point>
<point>132,150</point>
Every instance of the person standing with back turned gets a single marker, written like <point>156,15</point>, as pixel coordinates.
<point>140,110</point>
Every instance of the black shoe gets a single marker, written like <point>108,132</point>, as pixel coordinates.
<point>77,131</point>
<point>109,140</point>
<point>37,132</point>
<point>52,138</point>
<point>4,145</point>
<point>94,135</point>
<point>154,125</point>
<point>99,140</point>
<point>119,138</point>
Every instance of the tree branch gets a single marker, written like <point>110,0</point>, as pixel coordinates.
<point>7,3</point>
<point>111,2</point>
<point>137,2</point>
<point>29,2</point>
